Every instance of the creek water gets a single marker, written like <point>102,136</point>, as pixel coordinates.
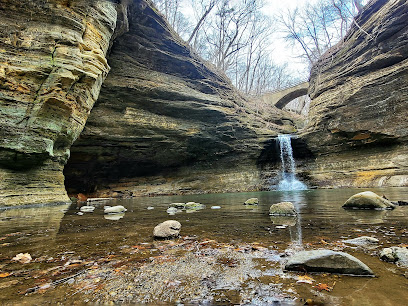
<point>230,255</point>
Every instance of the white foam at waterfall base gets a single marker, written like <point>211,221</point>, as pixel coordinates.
<point>288,174</point>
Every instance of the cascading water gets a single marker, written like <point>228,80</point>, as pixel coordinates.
<point>288,180</point>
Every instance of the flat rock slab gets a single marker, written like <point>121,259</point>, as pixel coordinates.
<point>363,240</point>
<point>368,200</point>
<point>327,261</point>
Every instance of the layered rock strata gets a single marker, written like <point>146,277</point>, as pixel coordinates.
<point>52,65</point>
<point>165,122</point>
<point>358,125</point>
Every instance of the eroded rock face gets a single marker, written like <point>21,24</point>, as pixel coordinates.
<point>52,65</point>
<point>359,89</point>
<point>165,122</point>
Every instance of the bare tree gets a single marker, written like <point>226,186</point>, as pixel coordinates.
<point>172,11</point>
<point>235,36</point>
<point>317,27</point>
<point>206,11</point>
<point>358,5</point>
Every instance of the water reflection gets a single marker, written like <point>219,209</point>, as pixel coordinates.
<point>295,223</point>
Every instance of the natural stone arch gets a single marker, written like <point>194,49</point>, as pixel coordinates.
<point>281,98</point>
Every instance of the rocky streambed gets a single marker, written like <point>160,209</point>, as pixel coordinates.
<point>234,254</point>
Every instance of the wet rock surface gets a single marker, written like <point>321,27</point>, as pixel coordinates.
<point>327,261</point>
<point>282,209</point>
<point>367,200</point>
<point>395,254</point>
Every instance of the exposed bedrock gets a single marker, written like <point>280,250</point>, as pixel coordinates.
<point>165,122</point>
<point>52,65</point>
<point>358,126</point>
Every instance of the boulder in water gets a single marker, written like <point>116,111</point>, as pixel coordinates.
<point>282,209</point>
<point>167,229</point>
<point>252,201</point>
<point>114,209</point>
<point>395,254</point>
<point>172,211</point>
<point>327,261</point>
<point>193,206</point>
<point>368,200</point>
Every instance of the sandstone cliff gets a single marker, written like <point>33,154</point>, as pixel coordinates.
<point>52,65</point>
<point>165,122</point>
<point>358,123</point>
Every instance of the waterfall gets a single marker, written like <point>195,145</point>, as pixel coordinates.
<point>288,175</point>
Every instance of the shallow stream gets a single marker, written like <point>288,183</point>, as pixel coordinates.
<point>230,255</point>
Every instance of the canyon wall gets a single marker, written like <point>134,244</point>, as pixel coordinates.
<point>166,122</point>
<point>358,127</point>
<point>52,65</point>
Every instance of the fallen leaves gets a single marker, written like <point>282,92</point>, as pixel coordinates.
<point>4,274</point>
<point>305,279</point>
<point>22,258</point>
<point>321,287</point>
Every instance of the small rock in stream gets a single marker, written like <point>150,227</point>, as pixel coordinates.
<point>282,209</point>
<point>172,211</point>
<point>167,229</point>
<point>395,254</point>
<point>114,209</point>
<point>252,201</point>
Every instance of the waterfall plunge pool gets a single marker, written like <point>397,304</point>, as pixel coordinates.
<point>231,255</point>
